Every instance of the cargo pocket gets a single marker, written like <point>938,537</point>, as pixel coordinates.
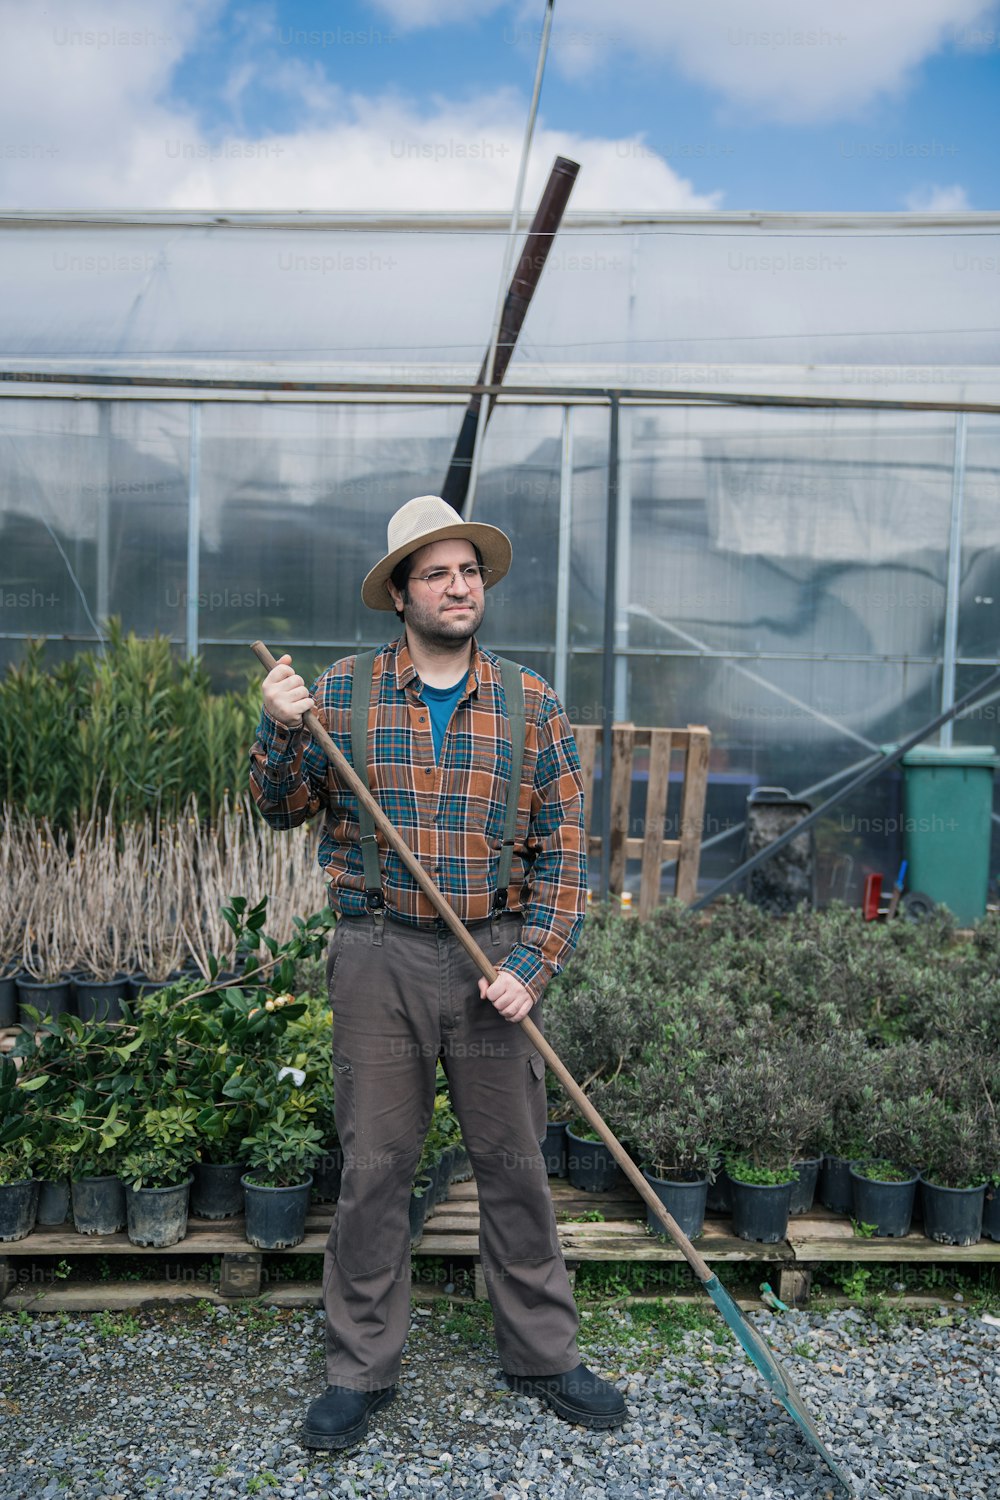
<point>344,1106</point>
<point>537,1102</point>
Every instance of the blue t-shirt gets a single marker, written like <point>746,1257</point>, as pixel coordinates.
<point>440,704</point>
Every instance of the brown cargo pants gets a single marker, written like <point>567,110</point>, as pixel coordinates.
<point>401,998</point>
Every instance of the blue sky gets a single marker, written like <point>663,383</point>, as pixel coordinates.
<point>420,104</point>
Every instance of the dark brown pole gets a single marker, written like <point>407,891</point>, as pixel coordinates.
<point>523,285</point>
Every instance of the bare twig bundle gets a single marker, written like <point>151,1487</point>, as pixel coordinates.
<point>47,949</point>
<point>97,904</point>
<point>15,887</point>
<point>147,893</point>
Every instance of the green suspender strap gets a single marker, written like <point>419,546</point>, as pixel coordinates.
<point>513,691</point>
<point>361,692</point>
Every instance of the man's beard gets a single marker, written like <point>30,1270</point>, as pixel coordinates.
<point>436,628</point>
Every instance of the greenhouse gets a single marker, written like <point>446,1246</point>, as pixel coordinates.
<point>758,452</point>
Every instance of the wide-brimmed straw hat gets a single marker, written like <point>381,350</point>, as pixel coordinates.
<point>428,519</point>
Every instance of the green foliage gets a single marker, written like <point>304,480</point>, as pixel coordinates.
<point>781,1038</point>
<point>135,724</point>
<point>164,1148</point>
<point>283,1145</point>
<point>741,1170</point>
<point>879,1169</point>
<point>189,1073</point>
<point>17,1162</point>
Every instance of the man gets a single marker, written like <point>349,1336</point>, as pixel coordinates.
<point>404,992</point>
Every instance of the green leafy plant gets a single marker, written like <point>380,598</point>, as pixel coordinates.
<point>282,1147</point>
<point>17,1162</point>
<point>741,1170</point>
<point>164,1150</point>
<point>878,1169</point>
<point>676,1122</point>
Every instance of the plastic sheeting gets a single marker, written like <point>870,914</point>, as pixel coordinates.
<point>633,301</point>
<point>792,578</point>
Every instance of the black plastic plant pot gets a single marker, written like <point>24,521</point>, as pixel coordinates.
<point>18,1207</point>
<point>461,1167</point>
<point>98,1204</point>
<point>719,1199</point>
<point>554,1148</point>
<point>157,1216</point>
<point>590,1165</point>
<point>952,1216</point>
<point>50,997</point>
<point>760,1210</point>
<point>991,1212</point>
<point>886,1206</point>
<point>419,1207</point>
<point>141,984</point>
<point>8,998</point>
<point>834,1189</point>
<point>327,1171</point>
<point>684,1201</point>
<point>101,999</point>
<point>804,1186</point>
<point>276,1216</point>
<point>216,1189</point>
<point>53,1202</point>
<point>442,1176</point>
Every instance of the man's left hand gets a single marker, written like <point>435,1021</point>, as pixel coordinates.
<point>507,995</point>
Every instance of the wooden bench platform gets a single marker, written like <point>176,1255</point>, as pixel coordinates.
<point>451,1232</point>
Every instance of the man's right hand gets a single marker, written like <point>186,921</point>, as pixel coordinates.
<point>286,696</point>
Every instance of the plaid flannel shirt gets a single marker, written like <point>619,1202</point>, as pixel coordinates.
<point>451,812</point>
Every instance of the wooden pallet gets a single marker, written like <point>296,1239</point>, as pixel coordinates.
<point>452,1232</point>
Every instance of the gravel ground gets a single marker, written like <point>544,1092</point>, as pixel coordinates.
<point>207,1402</point>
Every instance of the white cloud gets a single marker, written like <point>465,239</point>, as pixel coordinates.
<point>87,120</point>
<point>787,60</point>
<point>931,198</point>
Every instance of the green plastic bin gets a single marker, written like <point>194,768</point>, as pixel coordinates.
<point>948,802</point>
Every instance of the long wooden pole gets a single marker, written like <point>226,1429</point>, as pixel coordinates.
<point>350,778</point>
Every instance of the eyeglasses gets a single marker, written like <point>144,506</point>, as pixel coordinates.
<point>440,580</point>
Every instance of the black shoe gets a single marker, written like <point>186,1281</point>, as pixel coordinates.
<point>577,1396</point>
<point>339,1418</point>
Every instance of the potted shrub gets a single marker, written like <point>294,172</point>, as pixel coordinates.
<point>96,1131</point>
<point>98,917</point>
<point>157,1183</point>
<point>678,1146</point>
<point>18,1190</point>
<point>279,1153</point>
<point>156,1171</point>
<point>954,1175</point>
<point>761,1115</point>
<point>44,985</point>
<point>884,1178</point>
